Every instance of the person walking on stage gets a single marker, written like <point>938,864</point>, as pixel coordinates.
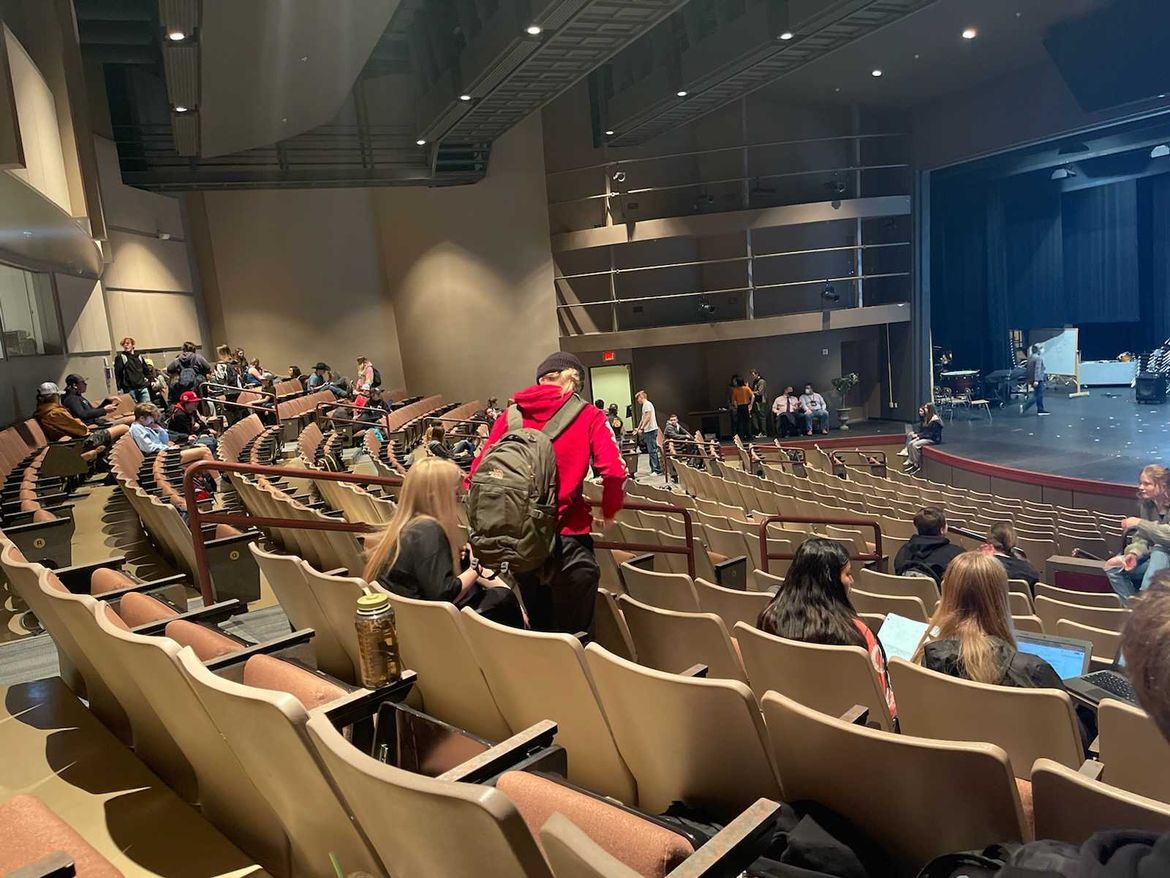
<point>1148,550</point>
<point>741,398</point>
<point>1037,377</point>
<point>759,403</point>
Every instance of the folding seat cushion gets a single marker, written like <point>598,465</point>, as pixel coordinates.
<point>141,609</point>
<point>266,672</point>
<point>31,831</point>
<point>106,579</point>
<point>115,619</point>
<point>206,642</point>
<point>43,515</point>
<point>651,850</point>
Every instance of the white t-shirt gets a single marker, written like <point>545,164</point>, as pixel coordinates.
<point>652,424</point>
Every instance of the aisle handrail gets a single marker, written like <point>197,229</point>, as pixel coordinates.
<point>766,556</point>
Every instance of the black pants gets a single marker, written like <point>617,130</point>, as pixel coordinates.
<point>561,595</point>
<point>743,422</point>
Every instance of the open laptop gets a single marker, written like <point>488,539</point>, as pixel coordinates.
<point>1068,656</point>
<point>1099,685</point>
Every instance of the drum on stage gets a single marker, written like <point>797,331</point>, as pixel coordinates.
<point>960,380</point>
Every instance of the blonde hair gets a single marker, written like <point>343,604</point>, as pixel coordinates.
<point>973,609</point>
<point>1160,476</point>
<point>427,492</point>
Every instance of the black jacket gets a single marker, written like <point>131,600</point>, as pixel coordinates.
<point>1018,568</point>
<point>130,371</point>
<point>1021,670</point>
<point>182,424</point>
<point>81,408</point>
<point>926,555</point>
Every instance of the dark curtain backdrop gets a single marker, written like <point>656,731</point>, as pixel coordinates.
<point>1019,254</point>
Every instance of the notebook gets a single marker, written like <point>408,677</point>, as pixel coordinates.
<point>1069,657</point>
<point>900,636</point>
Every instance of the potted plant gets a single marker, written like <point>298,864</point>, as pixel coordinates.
<point>842,386</point>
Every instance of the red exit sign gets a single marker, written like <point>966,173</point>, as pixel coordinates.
<point>607,356</point>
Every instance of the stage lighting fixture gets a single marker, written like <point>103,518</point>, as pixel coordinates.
<point>682,92</point>
<point>176,36</point>
<point>609,132</point>
<point>619,176</point>
<point>464,97</point>
<point>420,142</point>
<point>876,73</point>
<point>829,294</point>
<point>706,308</point>
<point>787,35</point>
<point>1063,173</point>
<point>970,33</point>
<point>179,108</point>
<point>1160,151</point>
<point>534,30</point>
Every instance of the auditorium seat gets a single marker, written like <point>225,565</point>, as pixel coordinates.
<point>1071,806</point>
<point>766,582</point>
<point>1029,624</point>
<point>556,684</point>
<point>1105,599</point>
<point>729,604</point>
<point>31,833</point>
<point>1028,724</point>
<point>1135,754</point>
<point>921,587</point>
<point>610,628</point>
<point>668,591</point>
<point>1106,644</point>
<point>453,688</point>
<point>664,728</point>
<point>1106,618</point>
<point>868,602</point>
<point>830,679</point>
<point>891,786</point>
<point>674,642</point>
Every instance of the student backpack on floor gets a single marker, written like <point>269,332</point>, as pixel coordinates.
<point>512,501</point>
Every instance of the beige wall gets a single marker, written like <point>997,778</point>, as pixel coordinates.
<point>293,277</point>
<point>469,272</point>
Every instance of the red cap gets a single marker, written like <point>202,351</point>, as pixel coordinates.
<point>188,396</point>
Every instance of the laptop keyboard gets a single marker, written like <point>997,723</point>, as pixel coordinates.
<point>1113,683</point>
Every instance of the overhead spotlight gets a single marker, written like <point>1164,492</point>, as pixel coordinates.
<point>534,30</point>
<point>176,36</point>
<point>875,72</point>
<point>464,97</point>
<point>829,294</point>
<point>1063,173</point>
<point>609,132</point>
<point>420,142</point>
<point>706,308</point>
<point>787,35</point>
<point>163,236</point>
<point>619,176</point>
<point>682,92</point>
<point>179,108</point>
<point>970,33</point>
<point>1160,151</point>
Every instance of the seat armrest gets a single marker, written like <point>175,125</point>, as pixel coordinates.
<point>76,577</point>
<point>732,573</point>
<point>56,865</point>
<point>696,671</point>
<point>736,846</point>
<point>505,754</point>
<point>857,715</point>
<point>245,537</point>
<point>1092,769</point>
<point>363,704</point>
<point>1094,749</point>
<point>144,587</point>
<point>297,638</point>
<point>213,614</point>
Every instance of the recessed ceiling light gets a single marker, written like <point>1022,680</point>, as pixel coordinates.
<point>421,142</point>
<point>176,36</point>
<point>534,30</point>
<point>609,132</point>
<point>1160,151</point>
<point>284,118</point>
<point>876,73</point>
<point>464,97</point>
<point>787,35</point>
<point>304,58</point>
<point>837,89</point>
<point>179,108</point>
<point>970,33</point>
<point>682,93</point>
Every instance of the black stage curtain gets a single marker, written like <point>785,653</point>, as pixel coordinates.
<point>1101,254</point>
<point>1154,238</point>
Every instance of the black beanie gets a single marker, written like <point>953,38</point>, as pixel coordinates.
<point>558,361</point>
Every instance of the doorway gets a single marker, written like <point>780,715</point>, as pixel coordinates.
<point>612,384</point>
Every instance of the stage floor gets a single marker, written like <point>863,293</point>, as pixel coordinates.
<point>1105,436</point>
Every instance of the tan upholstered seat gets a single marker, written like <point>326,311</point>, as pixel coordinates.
<point>1135,755</point>
<point>204,640</point>
<point>830,679</point>
<point>729,604</point>
<point>1107,618</point>
<point>883,604</point>
<point>312,690</point>
<point>822,758</point>
<point>1108,600</point>
<point>1028,724</point>
<point>1106,644</point>
<point>142,609</point>
<point>609,626</point>
<point>670,591</point>
<point>106,579</point>
<point>1071,806</point>
<point>664,725</point>
<point>674,642</point>
<point>31,831</point>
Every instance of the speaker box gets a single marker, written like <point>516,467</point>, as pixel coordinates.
<point>1150,388</point>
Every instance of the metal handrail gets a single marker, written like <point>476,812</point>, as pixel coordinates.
<point>267,393</point>
<point>870,457</point>
<point>766,556</point>
<point>786,453</point>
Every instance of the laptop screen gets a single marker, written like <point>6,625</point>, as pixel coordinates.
<point>1067,659</point>
<point>900,636</point>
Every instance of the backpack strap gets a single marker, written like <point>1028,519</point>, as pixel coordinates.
<point>564,417</point>
<point>515,419</point>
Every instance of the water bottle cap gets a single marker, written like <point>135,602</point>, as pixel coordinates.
<point>369,603</point>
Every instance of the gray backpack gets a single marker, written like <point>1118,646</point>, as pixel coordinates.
<point>512,500</point>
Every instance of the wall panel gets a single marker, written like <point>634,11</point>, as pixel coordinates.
<point>83,315</point>
<point>155,320</point>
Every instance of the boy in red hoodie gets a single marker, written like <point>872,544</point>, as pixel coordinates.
<point>560,597</point>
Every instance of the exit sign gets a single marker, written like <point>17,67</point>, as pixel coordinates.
<point>607,356</point>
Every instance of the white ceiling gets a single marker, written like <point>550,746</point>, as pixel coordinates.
<point>271,69</point>
<point>923,56</point>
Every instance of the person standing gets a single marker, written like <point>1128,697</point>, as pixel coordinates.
<point>815,408</point>
<point>647,430</point>
<point>130,372</point>
<point>190,370</point>
<point>759,401</point>
<point>1037,377</point>
<point>1148,549</point>
<point>560,595</point>
<point>741,399</point>
<point>615,422</point>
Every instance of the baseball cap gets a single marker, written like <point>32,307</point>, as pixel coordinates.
<point>48,389</point>
<point>188,396</point>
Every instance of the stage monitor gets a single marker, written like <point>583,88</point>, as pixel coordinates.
<point>1115,55</point>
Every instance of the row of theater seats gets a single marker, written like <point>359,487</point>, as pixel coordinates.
<point>34,506</point>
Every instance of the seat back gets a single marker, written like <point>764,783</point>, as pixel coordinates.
<point>1135,755</point>
<point>227,796</point>
<point>921,587</point>
<point>336,596</point>
<point>665,728</point>
<point>670,591</point>
<point>610,628</point>
<point>1106,644</point>
<point>884,604</point>
<point>1107,618</point>
<point>536,676</point>
<point>1030,624</point>
<point>453,688</point>
<point>674,642</point>
<point>729,604</point>
<point>1029,724</point>
<point>74,665</point>
<point>1071,807</point>
<point>421,826</point>
<point>830,679</point>
<point>266,731</point>
<point>1105,599</point>
<point>841,765</point>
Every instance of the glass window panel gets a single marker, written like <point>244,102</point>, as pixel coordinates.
<point>28,314</point>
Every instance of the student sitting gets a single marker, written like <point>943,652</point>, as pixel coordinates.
<point>973,637</point>
<point>148,434</point>
<point>58,423</point>
<point>1001,543</point>
<point>813,606</point>
<point>185,424</point>
<point>929,432</point>
<point>322,379</point>
<point>419,552</point>
<point>80,407</point>
<point>432,446</point>
<point>928,552</point>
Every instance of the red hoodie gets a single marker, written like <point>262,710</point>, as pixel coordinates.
<point>587,440</point>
